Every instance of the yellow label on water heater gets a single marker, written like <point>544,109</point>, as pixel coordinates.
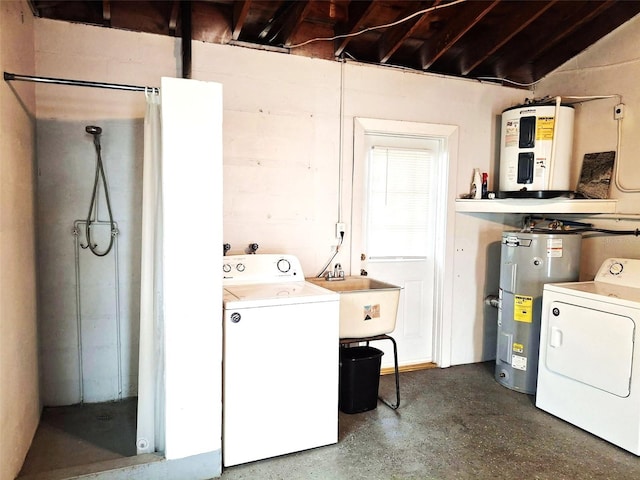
<point>544,128</point>
<point>523,308</point>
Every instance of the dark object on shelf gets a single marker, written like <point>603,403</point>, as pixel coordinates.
<point>595,176</point>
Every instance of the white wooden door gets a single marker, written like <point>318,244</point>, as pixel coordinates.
<point>400,176</point>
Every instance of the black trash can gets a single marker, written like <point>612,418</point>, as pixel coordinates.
<point>359,379</point>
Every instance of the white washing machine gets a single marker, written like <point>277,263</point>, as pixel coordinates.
<point>589,363</point>
<point>280,364</point>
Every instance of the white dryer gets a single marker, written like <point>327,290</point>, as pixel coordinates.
<point>589,363</point>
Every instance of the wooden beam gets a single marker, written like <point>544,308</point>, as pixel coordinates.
<point>34,9</point>
<point>395,37</point>
<point>359,12</point>
<point>516,30</point>
<point>461,25</point>
<point>185,15</point>
<point>240,12</point>
<point>106,13</point>
<point>275,19</point>
<point>292,23</point>
<point>173,19</point>
<point>545,43</point>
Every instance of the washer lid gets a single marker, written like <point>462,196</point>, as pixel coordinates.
<point>273,294</point>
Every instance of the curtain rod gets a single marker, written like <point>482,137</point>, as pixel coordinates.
<point>78,83</point>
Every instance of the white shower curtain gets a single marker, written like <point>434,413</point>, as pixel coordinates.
<point>150,429</point>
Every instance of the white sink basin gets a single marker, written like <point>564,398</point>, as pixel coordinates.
<point>368,307</point>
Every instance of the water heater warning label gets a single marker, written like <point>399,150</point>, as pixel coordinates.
<point>523,308</point>
<point>518,362</point>
<point>511,133</point>
<point>554,247</point>
<point>544,128</point>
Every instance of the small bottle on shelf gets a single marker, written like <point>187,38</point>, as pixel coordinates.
<point>476,185</point>
<point>485,177</point>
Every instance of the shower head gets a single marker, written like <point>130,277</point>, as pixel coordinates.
<point>93,130</point>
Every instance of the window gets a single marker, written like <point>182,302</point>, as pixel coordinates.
<point>399,202</point>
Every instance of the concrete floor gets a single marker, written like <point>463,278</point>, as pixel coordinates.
<point>454,423</point>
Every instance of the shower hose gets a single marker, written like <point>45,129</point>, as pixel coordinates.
<point>96,131</point>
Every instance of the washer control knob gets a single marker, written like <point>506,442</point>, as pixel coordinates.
<point>235,317</point>
<point>283,265</point>
<point>240,267</point>
<point>226,268</point>
<point>616,268</point>
<point>555,311</point>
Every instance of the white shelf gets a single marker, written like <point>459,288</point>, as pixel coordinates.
<point>529,205</point>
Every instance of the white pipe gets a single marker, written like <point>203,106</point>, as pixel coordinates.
<point>341,153</point>
<point>554,142</point>
<point>618,184</point>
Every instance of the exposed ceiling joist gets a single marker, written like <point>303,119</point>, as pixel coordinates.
<point>173,18</point>
<point>240,12</point>
<point>454,32</point>
<point>395,37</point>
<point>106,12</point>
<point>514,41</point>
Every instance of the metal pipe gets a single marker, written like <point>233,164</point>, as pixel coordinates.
<point>76,233</point>
<point>554,142</point>
<point>492,301</point>
<point>118,328</point>
<point>76,83</point>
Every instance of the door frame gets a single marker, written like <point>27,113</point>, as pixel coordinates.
<point>444,252</point>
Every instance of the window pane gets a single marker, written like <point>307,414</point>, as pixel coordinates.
<point>399,202</point>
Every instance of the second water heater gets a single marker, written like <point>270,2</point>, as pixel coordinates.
<point>527,262</point>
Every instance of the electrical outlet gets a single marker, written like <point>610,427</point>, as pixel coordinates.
<point>340,229</point>
<point>618,111</point>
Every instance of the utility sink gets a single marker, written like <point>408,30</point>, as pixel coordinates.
<point>368,307</point>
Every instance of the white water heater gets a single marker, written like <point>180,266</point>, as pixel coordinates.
<point>536,145</point>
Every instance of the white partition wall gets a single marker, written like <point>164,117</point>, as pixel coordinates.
<point>192,173</point>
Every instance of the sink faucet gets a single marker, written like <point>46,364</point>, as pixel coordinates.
<point>337,274</point>
<point>337,270</point>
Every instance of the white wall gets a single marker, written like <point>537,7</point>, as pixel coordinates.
<point>609,67</point>
<point>281,151</point>
<point>19,397</point>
